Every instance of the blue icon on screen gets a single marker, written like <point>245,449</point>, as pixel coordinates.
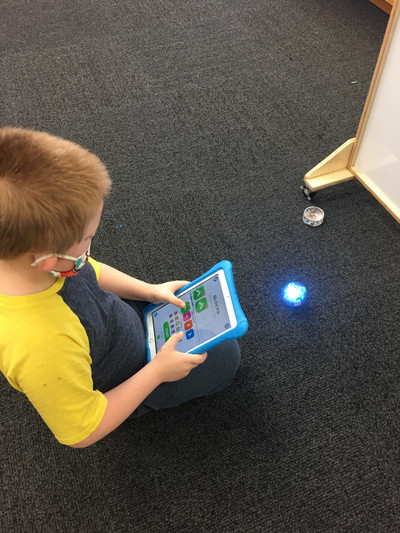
<point>155,314</point>
<point>189,334</point>
<point>227,325</point>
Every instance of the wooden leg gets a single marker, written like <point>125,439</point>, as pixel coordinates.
<point>332,170</point>
<point>386,5</point>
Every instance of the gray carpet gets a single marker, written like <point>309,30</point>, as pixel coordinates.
<point>208,114</point>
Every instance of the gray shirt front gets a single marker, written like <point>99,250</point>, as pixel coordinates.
<point>114,328</point>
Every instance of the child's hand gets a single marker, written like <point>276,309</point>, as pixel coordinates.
<point>164,292</point>
<point>172,365</point>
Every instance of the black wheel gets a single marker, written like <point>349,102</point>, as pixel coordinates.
<point>307,193</point>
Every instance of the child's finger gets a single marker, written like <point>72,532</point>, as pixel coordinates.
<point>198,359</point>
<point>179,284</point>
<point>177,301</point>
<point>173,341</point>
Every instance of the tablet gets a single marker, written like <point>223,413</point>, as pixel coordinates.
<point>211,315</point>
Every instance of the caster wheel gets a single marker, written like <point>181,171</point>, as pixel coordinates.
<point>307,193</point>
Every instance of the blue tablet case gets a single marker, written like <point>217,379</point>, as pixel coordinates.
<point>242,324</point>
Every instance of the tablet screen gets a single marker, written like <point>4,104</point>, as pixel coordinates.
<point>204,317</point>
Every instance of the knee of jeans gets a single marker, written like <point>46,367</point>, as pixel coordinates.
<point>235,355</point>
<point>227,356</point>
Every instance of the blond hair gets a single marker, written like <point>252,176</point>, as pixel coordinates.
<point>49,190</point>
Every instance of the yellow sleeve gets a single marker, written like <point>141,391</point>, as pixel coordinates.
<point>96,267</point>
<point>45,353</point>
<point>57,380</point>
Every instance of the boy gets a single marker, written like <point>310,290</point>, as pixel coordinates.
<point>71,329</point>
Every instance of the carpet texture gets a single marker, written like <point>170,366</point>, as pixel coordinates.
<point>207,114</point>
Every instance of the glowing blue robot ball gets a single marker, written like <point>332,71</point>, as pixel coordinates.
<point>294,294</point>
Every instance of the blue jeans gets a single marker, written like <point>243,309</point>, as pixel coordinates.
<point>212,376</point>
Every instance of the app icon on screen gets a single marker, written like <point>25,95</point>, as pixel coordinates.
<point>188,325</point>
<point>190,334</point>
<point>186,308</point>
<point>198,293</point>
<point>167,331</point>
<point>201,305</point>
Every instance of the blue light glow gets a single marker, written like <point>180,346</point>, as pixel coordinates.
<point>294,294</point>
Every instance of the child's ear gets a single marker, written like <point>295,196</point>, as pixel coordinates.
<point>47,264</point>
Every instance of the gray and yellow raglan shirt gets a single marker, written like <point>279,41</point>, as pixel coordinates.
<point>64,347</point>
